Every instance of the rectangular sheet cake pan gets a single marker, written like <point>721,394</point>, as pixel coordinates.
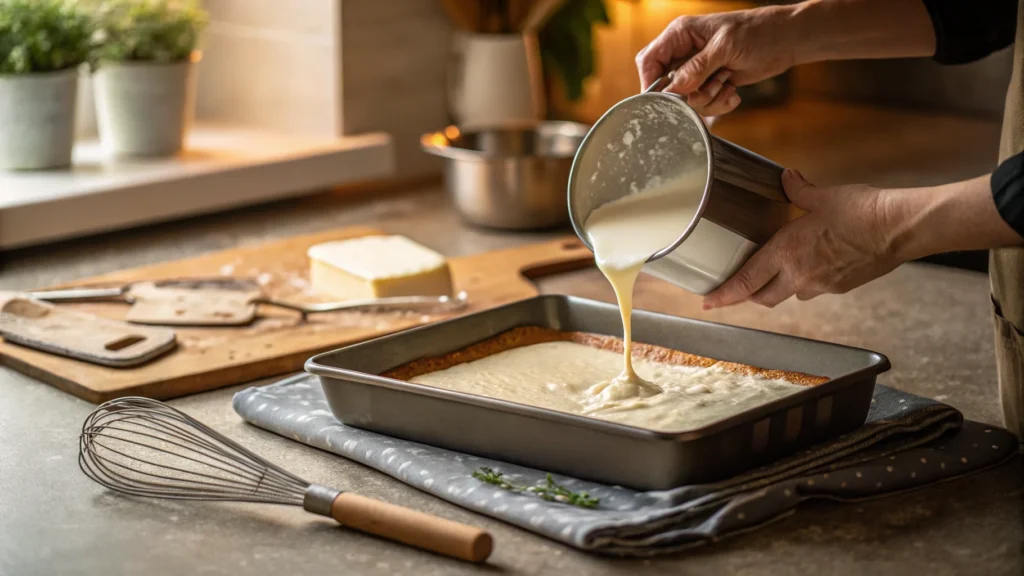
<point>585,447</point>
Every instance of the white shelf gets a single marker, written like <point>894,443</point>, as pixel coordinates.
<point>223,168</point>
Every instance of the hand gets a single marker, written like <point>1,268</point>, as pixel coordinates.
<point>844,240</point>
<point>724,50</point>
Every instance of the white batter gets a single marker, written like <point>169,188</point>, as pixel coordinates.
<point>625,233</point>
<point>561,376</point>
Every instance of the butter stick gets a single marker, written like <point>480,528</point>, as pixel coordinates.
<point>377,267</point>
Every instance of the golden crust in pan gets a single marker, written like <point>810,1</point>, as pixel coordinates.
<point>528,335</point>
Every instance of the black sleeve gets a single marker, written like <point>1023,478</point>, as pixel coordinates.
<point>969,30</point>
<point>1008,191</point>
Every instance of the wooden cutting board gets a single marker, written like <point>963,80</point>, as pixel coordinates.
<point>277,342</point>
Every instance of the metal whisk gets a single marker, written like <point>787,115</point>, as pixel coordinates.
<point>146,448</point>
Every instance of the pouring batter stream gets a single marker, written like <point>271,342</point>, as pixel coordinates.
<point>579,379</point>
<point>625,233</point>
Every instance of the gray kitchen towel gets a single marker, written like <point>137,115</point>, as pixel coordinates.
<point>908,442</point>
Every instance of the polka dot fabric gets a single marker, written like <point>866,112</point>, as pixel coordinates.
<point>908,442</point>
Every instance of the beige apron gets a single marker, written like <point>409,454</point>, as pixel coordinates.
<point>1006,265</point>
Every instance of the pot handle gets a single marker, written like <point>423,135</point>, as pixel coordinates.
<point>662,82</point>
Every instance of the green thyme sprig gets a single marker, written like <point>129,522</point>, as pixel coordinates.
<point>550,490</point>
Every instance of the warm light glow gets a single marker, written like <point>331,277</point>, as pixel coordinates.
<point>669,9</point>
<point>434,140</point>
<point>634,24</point>
<point>440,139</point>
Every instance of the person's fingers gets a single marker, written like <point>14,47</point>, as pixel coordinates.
<point>807,294</point>
<point>758,271</point>
<point>775,292</point>
<point>726,101</point>
<point>649,65</point>
<point>674,42</point>
<point>707,93</point>
<point>696,71</point>
<point>799,191</point>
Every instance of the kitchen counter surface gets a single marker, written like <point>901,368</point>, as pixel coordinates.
<point>932,322</point>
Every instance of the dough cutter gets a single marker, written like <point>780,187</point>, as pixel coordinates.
<point>228,302</point>
<point>78,335</point>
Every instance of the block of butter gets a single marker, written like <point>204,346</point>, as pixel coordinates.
<point>377,267</point>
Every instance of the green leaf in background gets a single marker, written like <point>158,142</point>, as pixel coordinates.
<point>567,43</point>
<point>161,31</point>
<point>43,36</point>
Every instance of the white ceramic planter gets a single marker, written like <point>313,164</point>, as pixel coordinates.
<point>37,119</point>
<point>495,80</point>
<point>85,114</point>
<point>144,109</point>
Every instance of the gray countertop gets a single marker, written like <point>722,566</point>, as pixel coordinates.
<point>932,322</point>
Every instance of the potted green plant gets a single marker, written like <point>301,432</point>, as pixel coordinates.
<point>144,83</point>
<point>567,47</point>
<point>567,44</point>
<point>42,45</point>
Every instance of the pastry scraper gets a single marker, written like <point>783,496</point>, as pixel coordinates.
<point>227,302</point>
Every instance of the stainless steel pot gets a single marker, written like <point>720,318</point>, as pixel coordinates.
<point>654,137</point>
<point>510,178</point>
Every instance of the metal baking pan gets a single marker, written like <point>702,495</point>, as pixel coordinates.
<point>595,449</point>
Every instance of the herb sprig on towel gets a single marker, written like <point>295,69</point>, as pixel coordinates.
<point>550,490</point>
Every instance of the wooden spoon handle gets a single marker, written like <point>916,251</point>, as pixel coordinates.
<point>411,527</point>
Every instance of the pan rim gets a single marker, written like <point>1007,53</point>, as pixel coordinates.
<point>878,364</point>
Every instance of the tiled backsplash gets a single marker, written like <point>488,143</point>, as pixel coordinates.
<point>273,65</point>
<point>394,57</point>
<point>341,67</point>
<point>329,68</point>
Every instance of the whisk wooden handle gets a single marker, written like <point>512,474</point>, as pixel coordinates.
<point>411,527</point>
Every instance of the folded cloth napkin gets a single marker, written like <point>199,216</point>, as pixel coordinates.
<point>908,442</point>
